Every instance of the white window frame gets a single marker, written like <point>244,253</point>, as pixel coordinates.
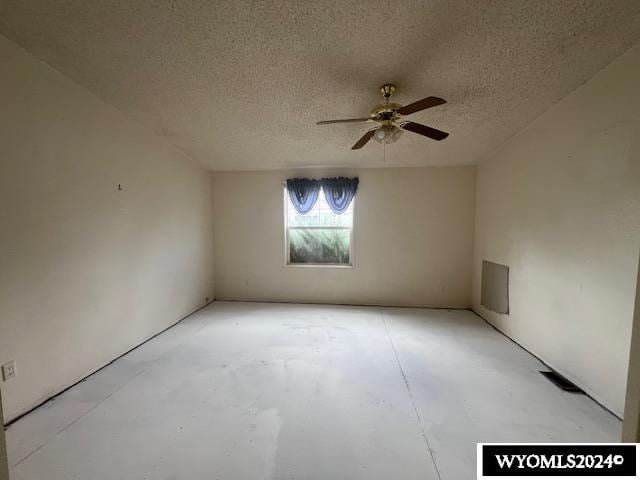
<point>287,250</point>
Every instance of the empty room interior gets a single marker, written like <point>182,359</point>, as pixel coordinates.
<point>315,240</point>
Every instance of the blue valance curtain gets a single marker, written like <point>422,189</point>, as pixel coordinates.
<point>339,193</point>
<point>303,193</point>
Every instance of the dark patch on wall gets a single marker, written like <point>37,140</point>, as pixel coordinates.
<point>495,287</point>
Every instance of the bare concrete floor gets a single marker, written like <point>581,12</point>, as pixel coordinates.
<point>272,391</point>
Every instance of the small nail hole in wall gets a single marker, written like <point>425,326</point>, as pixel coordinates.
<point>119,187</point>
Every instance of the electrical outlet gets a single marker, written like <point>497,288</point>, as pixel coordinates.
<point>8,370</point>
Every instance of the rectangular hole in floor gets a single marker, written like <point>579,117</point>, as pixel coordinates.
<point>561,382</point>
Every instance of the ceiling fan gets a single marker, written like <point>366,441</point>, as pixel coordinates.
<point>389,116</point>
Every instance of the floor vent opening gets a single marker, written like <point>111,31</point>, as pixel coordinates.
<point>561,382</point>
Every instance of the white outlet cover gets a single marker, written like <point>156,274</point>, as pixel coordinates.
<point>8,370</point>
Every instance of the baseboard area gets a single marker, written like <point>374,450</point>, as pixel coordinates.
<point>53,396</point>
<point>549,366</point>
<point>57,394</point>
<point>380,305</point>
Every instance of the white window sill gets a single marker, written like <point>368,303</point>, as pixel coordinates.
<point>317,265</point>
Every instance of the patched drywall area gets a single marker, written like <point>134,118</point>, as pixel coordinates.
<point>494,292</point>
<point>105,233</point>
<point>559,204</point>
<point>413,239</point>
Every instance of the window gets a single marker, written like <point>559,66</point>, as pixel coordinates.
<point>319,237</point>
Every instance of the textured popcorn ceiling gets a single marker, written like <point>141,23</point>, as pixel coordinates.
<point>240,84</point>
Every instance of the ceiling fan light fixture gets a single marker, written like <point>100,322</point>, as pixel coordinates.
<point>387,134</point>
<point>390,117</point>
<point>394,134</point>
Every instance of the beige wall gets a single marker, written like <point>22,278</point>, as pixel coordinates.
<point>88,271</point>
<point>413,239</point>
<point>560,205</point>
<point>4,465</point>
<point>631,425</point>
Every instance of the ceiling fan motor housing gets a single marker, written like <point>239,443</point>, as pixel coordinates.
<point>385,113</point>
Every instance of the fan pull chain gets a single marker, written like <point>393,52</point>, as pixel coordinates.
<point>384,150</point>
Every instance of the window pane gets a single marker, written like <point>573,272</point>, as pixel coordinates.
<point>319,216</point>
<point>319,245</point>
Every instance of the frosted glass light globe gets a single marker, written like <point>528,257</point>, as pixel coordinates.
<point>386,134</point>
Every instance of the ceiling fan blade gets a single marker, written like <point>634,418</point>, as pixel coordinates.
<point>346,120</point>
<point>424,130</point>
<point>421,105</point>
<point>363,140</point>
